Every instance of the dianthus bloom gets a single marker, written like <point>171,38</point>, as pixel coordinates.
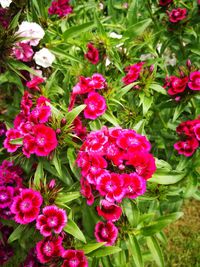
<point>92,54</point>
<point>109,211</point>
<point>31,31</point>
<point>60,8</point>
<point>53,219</point>
<point>49,248</point>
<point>176,85</point>
<point>190,131</point>
<point>23,52</point>
<point>165,2</point>
<point>96,106</point>
<point>6,196</point>
<point>133,73</point>
<point>44,58</point>
<point>74,258</point>
<point>177,14</point>
<point>34,82</point>
<point>106,232</point>
<point>5,3</point>
<point>26,206</point>
<point>194,83</point>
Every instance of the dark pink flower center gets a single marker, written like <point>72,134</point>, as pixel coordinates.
<point>74,262</point>
<point>48,248</point>
<point>104,233</point>
<point>3,196</point>
<point>26,205</point>
<point>52,221</point>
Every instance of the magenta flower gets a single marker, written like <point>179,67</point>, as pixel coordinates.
<point>6,196</point>
<point>96,106</point>
<point>106,232</point>
<point>40,114</point>
<point>86,191</point>
<point>194,83</point>
<point>97,82</point>
<point>177,14</point>
<point>11,135</point>
<point>74,258</point>
<point>33,84</point>
<point>134,184</point>
<point>176,85</point>
<point>133,72</point>
<point>23,52</point>
<point>41,142</point>
<point>197,131</point>
<point>188,147</point>
<point>49,248</point>
<point>92,54</point>
<point>109,211</point>
<point>60,8</point>
<point>53,220</point>
<point>26,206</point>
<point>165,2</point>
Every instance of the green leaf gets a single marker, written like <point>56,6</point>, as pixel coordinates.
<point>192,186</point>
<point>166,178</point>
<point>178,110</point>
<point>57,164</point>
<point>39,174</point>
<point>77,30</point>
<point>73,229</point>
<point>72,162</point>
<point>132,212</point>
<point>17,141</point>
<point>134,248</point>
<point>146,102</point>
<point>108,116</point>
<point>16,234</point>
<point>158,88</point>
<point>156,251</point>
<point>132,13</point>
<point>70,117</point>
<point>66,197</point>
<point>91,247</point>
<point>63,54</point>
<point>14,22</point>
<point>137,29</point>
<point>121,92</point>
<point>105,251</point>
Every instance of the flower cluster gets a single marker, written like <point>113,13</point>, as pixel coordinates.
<point>115,164</point>
<point>179,86</point>
<point>85,90</point>
<point>10,183</point>
<point>133,72</point>
<point>60,8</point>
<point>29,127</point>
<point>177,14</point>
<point>190,132</point>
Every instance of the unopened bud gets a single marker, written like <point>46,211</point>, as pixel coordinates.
<point>151,69</point>
<point>52,183</point>
<point>58,131</point>
<point>63,122</point>
<point>188,63</point>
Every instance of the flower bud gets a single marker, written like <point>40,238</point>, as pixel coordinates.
<point>63,122</point>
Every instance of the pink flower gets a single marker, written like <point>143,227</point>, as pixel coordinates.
<point>187,128</point>
<point>97,82</point>
<point>60,8</point>
<point>26,206</point>
<point>96,106</point>
<point>11,134</point>
<point>194,83</point>
<point>49,248</point>
<point>40,114</point>
<point>165,2</point>
<point>135,185</point>
<point>133,73</point>
<point>106,232</point>
<point>197,131</point>
<point>74,258</point>
<point>188,147</point>
<point>176,85</point>
<point>111,186</point>
<point>92,54</point>
<point>109,211</point>
<point>33,84</point>
<point>6,196</point>
<point>41,142</point>
<point>23,52</point>
<point>177,14</point>
<point>86,191</point>
<point>53,219</point>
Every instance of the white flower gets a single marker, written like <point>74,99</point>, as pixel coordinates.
<point>107,63</point>
<point>5,3</point>
<point>115,35</point>
<point>32,31</point>
<point>170,60</point>
<point>44,58</point>
<point>144,57</point>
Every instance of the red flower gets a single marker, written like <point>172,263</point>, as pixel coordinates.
<point>74,258</point>
<point>53,219</point>
<point>176,85</point>
<point>6,196</point>
<point>86,191</point>
<point>49,249</point>
<point>60,8</point>
<point>109,211</point>
<point>92,54</point>
<point>96,106</point>
<point>188,147</point>
<point>41,142</point>
<point>11,135</point>
<point>133,73</point>
<point>106,232</point>
<point>194,83</point>
<point>177,15</point>
<point>135,185</point>
<point>23,52</point>
<point>197,131</point>
<point>165,2</point>
<point>33,84</point>
<point>26,206</point>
